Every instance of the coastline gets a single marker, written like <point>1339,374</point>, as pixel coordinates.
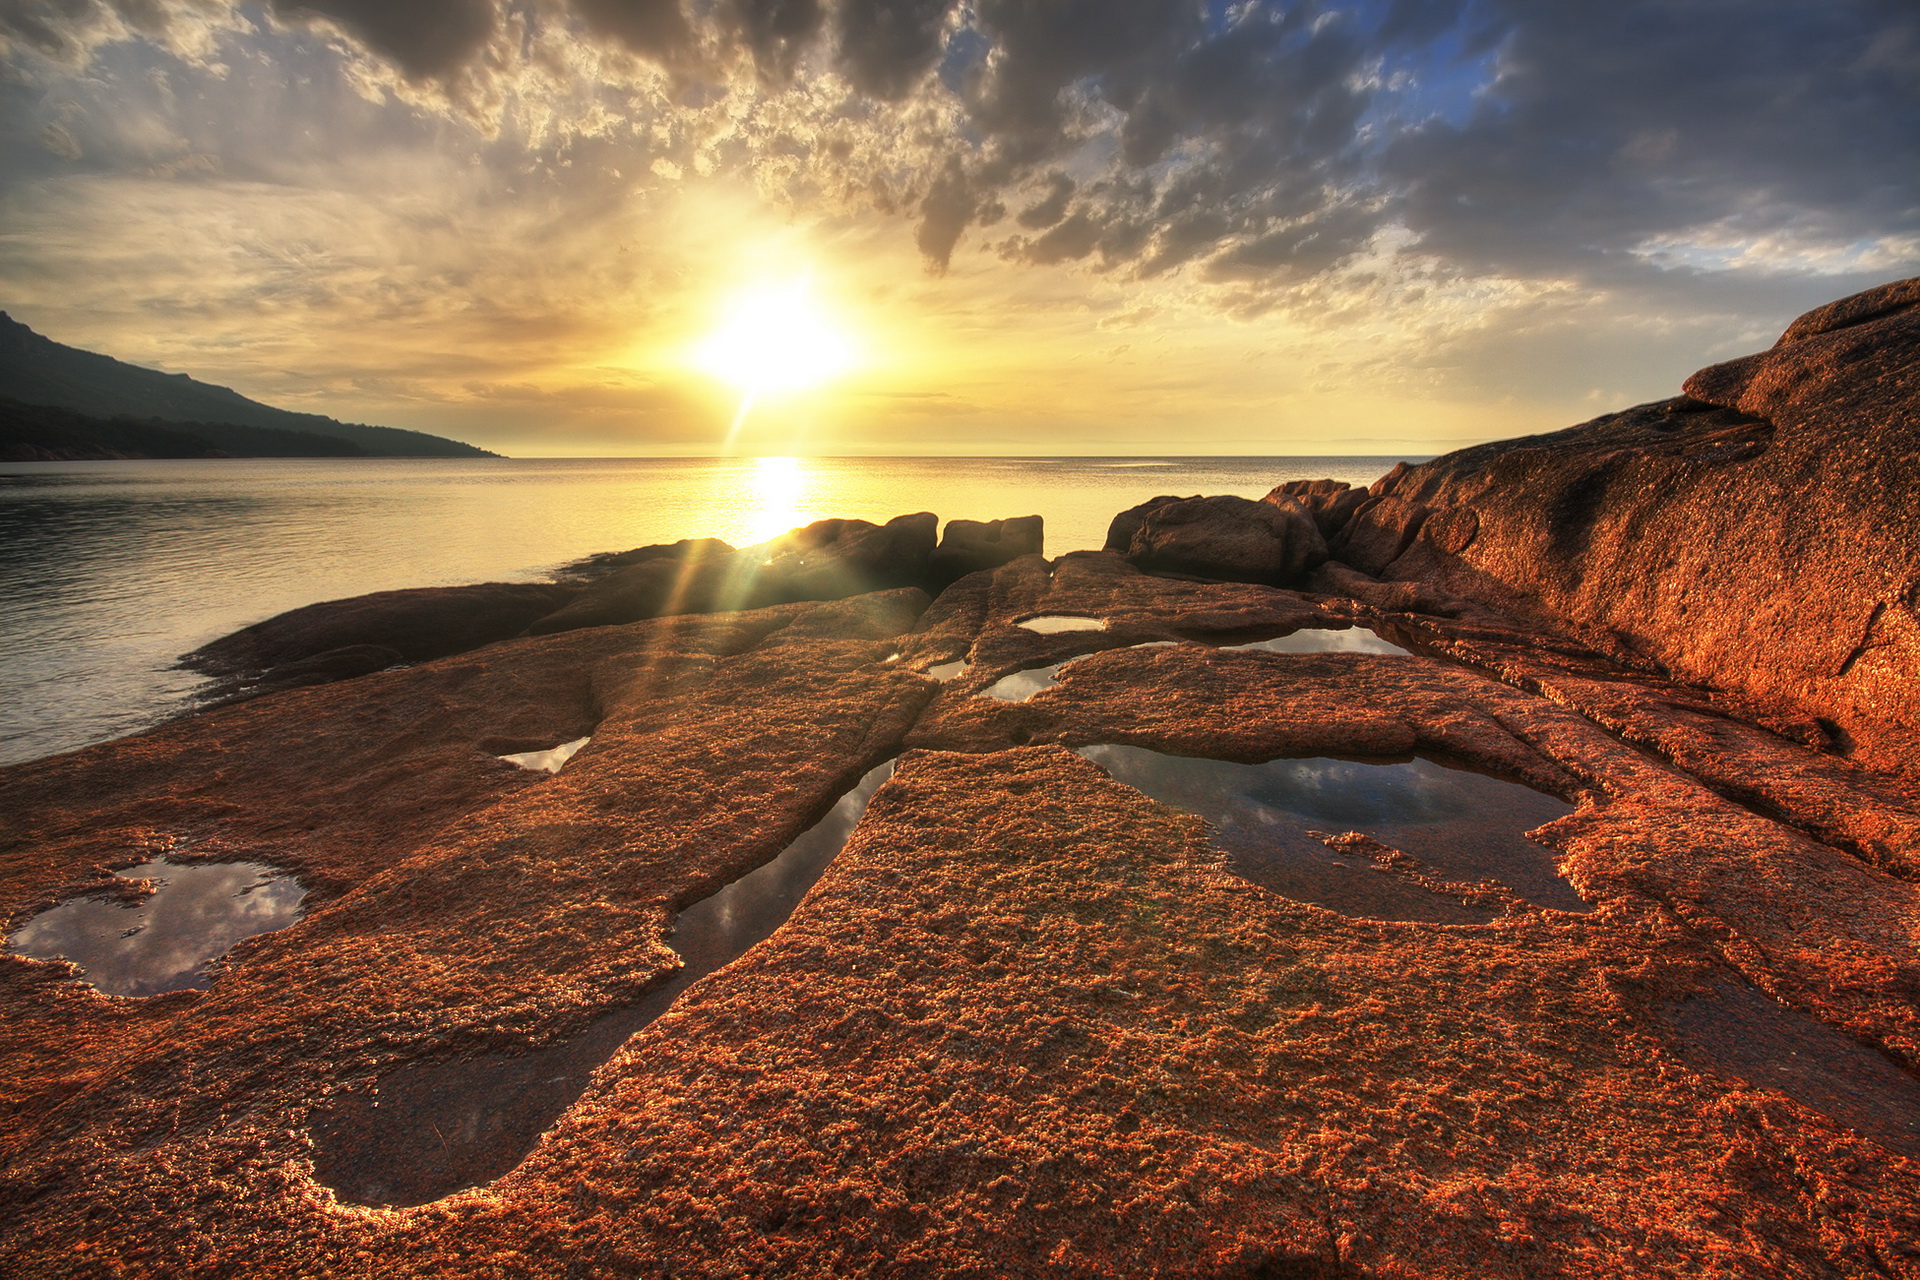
<point>1031,1019</point>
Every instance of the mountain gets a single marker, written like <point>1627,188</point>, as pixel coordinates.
<point>45,433</point>
<point>35,370</point>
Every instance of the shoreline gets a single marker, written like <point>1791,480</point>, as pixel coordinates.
<point>1089,989</point>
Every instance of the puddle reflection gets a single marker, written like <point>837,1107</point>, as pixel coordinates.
<point>163,943</point>
<point>1019,686</point>
<point>550,760</point>
<point>945,671</point>
<point>1326,640</point>
<point>1463,824</point>
<point>432,1129</point>
<point>1054,623</point>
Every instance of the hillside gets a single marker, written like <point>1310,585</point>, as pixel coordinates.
<point>43,433</point>
<point>36,370</point>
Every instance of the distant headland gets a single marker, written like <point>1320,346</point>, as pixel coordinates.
<point>59,403</point>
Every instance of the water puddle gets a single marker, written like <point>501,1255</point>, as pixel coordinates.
<point>1740,1031</point>
<point>430,1130</point>
<point>1052,624</point>
<point>1022,685</point>
<point>1465,825</point>
<point>1326,640</point>
<point>550,760</point>
<point>163,942</point>
<point>945,671</point>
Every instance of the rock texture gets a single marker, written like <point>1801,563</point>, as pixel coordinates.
<point>1755,534</point>
<point>413,625</point>
<point>1273,541</point>
<point>1030,1022</point>
<point>826,560</point>
<point>969,546</point>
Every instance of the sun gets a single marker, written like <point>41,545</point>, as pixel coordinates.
<point>774,339</point>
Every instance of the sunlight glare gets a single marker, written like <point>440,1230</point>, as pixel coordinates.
<point>776,338</point>
<point>775,489</point>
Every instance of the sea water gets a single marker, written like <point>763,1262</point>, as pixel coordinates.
<point>110,570</point>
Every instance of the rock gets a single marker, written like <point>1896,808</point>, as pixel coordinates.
<point>826,560</point>
<point>1332,502</point>
<point>1453,530</point>
<point>968,546</point>
<point>699,577</point>
<point>1014,954</point>
<point>1755,534</point>
<point>1258,1069</point>
<point>1379,530</point>
<point>594,567</point>
<point>418,624</point>
<point>1123,526</point>
<point>838,558</point>
<point>1235,539</point>
<point>335,664</point>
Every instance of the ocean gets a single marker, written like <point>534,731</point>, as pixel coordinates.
<point>110,570</point>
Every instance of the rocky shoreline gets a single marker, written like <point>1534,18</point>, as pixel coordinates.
<point>1030,1020</point>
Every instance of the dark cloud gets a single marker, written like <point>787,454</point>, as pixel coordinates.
<point>1611,125</point>
<point>1050,208</point>
<point>945,212</point>
<point>425,39</point>
<point>775,32</point>
<point>1230,127</point>
<point>656,28</point>
<point>886,47</point>
<point>1269,141</point>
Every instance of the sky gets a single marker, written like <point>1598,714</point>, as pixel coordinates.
<point>1029,226</point>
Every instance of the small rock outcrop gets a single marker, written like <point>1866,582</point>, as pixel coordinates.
<point>1274,541</point>
<point>826,560</point>
<point>413,625</point>
<point>1332,502</point>
<point>968,546</point>
<point>1755,533</point>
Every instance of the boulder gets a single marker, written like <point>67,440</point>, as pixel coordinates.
<point>594,567</point>
<point>1379,530</point>
<point>1332,502</point>
<point>968,546</point>
<point>695,583</point>
<point>417,624</point>
<point>1227,537</point>
<point>1120,532</point>
<point>826,560</point>
<point>836,558</point>
<point>1754,534</point>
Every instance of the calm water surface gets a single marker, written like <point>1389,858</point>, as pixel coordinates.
<point>110,570</point>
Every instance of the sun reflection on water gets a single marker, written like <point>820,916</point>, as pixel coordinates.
<point>775,493</point>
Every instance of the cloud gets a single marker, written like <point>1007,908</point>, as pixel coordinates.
<point>1402,169</point>
<point>656,28</point>
<point>885,47</point>
<point>1263,140</point>
<point>426,39</point>
<point>1604,128</point>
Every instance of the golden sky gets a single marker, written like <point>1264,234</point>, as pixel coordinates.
<point>1128,227</point>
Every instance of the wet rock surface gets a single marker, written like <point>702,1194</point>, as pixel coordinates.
<point>1653,1011</point>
